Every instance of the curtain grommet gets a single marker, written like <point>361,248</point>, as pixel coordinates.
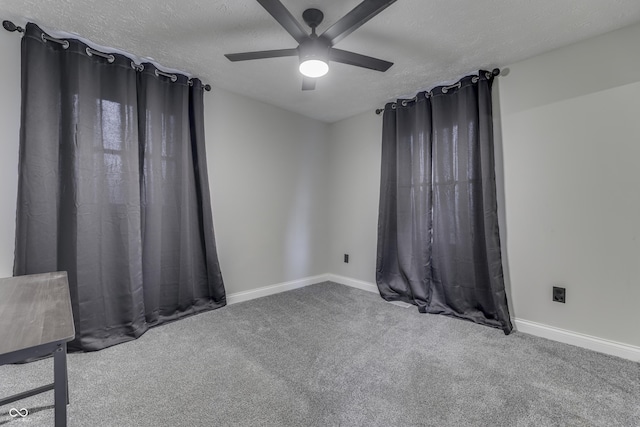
<point>453,86</point>
<point>108,56</point>
<point>171,77</point>
<point>45,38</point>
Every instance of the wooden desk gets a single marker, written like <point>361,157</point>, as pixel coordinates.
<point>36,320</point>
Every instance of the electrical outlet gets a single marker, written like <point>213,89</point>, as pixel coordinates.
<point>346,258</point>
<point>559,294</point>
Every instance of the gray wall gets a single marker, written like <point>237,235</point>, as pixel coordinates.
<point>268,174</point>
<point>9,134</point>
<point>571,146</point>
<point>355,188</point>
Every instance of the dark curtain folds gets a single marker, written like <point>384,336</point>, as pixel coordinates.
<point>438,238</point>
<point>113,189</point>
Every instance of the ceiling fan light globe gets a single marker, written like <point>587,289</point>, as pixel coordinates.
<point>314,68</point>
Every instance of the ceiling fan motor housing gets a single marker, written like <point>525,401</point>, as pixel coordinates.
<point>314,48</point>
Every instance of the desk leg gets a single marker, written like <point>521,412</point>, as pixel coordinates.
<point>60,385</point>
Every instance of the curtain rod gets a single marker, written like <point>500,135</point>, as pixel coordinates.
<point>11,27</point>
<point>495,72</point>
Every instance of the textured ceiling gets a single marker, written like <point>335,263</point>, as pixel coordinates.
<point>430,42</point>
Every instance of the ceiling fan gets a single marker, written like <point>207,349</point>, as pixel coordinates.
<point>315,51</point>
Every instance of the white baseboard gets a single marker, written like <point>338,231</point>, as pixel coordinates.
<point>600,345</point>
<point>264,291</point>
<point>354,283</point>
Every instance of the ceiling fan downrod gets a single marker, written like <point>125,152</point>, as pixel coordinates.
<point>313,18</point>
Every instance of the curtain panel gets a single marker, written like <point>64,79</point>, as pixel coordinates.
<point>113,189</point>
<point>438,237</point>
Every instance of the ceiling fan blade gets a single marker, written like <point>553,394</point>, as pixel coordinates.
<point>245,56</point>
<point>285,18</point>
<point>354,19</point>
<point>308,83</point>
<point>358,60</point>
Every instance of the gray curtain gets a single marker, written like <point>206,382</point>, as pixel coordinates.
<point>438,238</point>
<point>113,189</point>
